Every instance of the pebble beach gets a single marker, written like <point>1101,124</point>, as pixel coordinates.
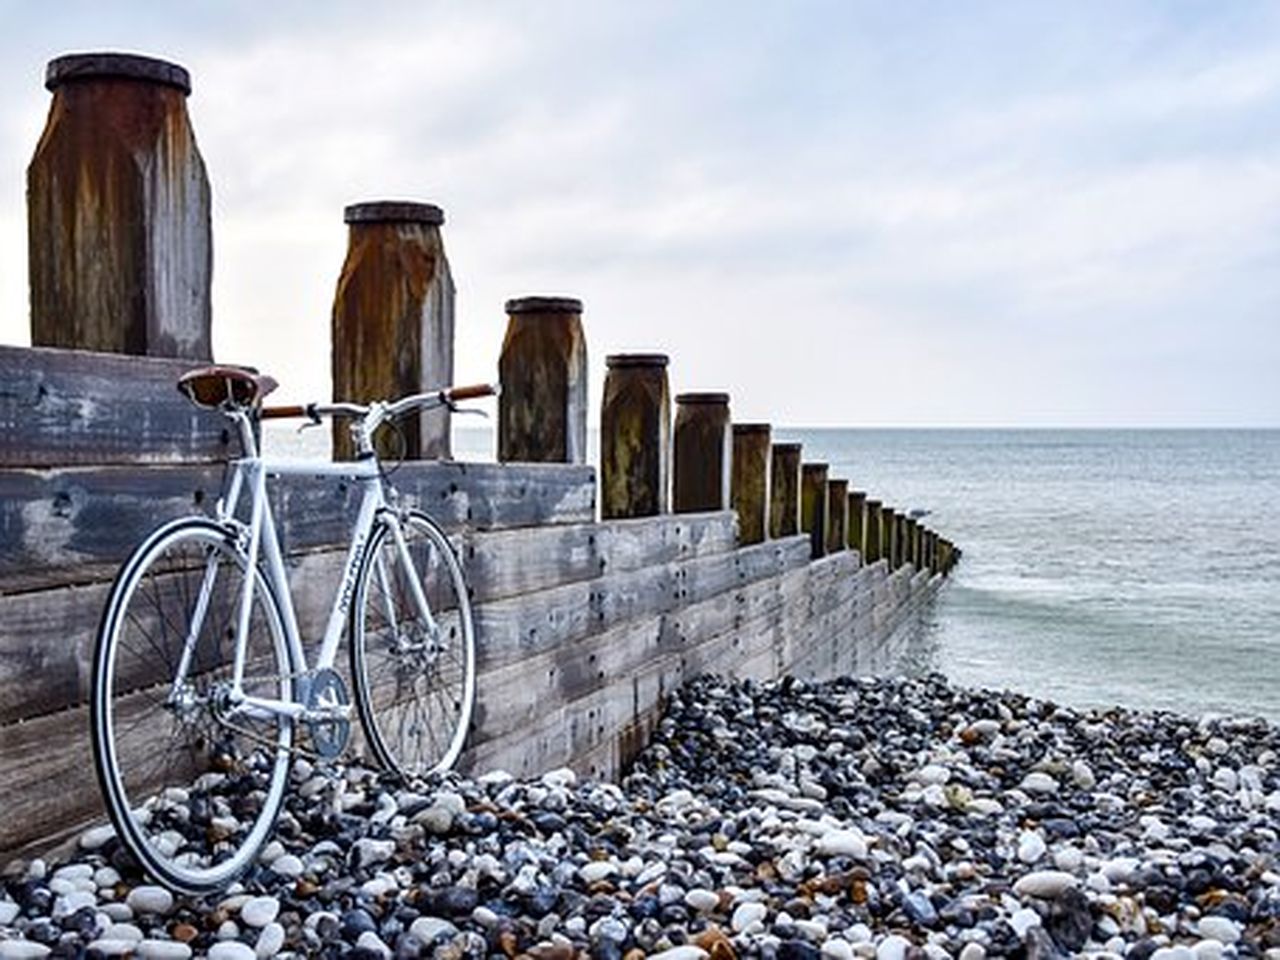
<point>886,818</point>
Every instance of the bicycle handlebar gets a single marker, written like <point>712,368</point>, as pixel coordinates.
<point>381,411</point>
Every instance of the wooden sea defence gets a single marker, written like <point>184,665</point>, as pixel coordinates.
<point>698,548</point>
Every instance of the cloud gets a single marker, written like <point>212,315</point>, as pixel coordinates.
<point>1038,215</point>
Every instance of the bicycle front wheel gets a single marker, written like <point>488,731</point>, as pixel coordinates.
<point>192,778</point>
<point>412,647</point>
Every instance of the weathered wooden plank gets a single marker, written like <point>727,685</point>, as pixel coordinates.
<point>524,626</point>
<point>78,524</point>
<point>47,636</point>
<point>68,407</point>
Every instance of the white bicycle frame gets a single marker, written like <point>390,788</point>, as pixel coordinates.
<point>258,538</point>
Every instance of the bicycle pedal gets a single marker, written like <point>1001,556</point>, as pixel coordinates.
<point>328,712</point>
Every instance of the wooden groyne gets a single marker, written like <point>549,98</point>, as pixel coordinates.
<point>698,545</point>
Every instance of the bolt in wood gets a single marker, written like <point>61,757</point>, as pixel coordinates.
<point>813,506</point>
<point>784,490</point>
<point>749,489</point>
<point>635,437</point>
<point>118,233</point>
<point>856,511</point>
<point>392,328</point>
<point>702,466</point>
<point>542,410</point>
<point>837,515</point>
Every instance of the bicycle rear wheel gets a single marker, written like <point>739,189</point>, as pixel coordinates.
<point>413,671</point>
<point>192,785</point>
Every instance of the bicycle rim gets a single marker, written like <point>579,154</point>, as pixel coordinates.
<point>192,786</point>
<point>414,676</point>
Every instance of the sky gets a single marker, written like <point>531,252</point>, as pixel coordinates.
<point>842,213</point>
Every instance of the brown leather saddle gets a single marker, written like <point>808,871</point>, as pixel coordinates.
<point>222,387</point>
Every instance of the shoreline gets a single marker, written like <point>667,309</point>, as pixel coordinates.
<point>859,817</point>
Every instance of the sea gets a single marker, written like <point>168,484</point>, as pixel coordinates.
<point>1101,567</point>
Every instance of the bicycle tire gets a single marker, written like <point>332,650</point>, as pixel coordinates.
<point>414,686</point>
<point>198,824</point>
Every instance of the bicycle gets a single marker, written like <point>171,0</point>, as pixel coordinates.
<point>200,680</point>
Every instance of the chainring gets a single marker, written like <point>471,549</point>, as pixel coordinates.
<point>328,736</point>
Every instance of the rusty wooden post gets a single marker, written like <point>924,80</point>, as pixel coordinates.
<point>635,437</point>
<point>118,236</point>
<point>702,457</point>
<point>784,490</point>
<point>837,515</point>
<point>813,506</point>
<point>542,410</point>
<point>871,536</point>
<point>889,536</point>
<point>749,489</point>
<point>392,328</point>
<point>857,521</point>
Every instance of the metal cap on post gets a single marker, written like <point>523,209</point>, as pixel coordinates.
<point>635,436</point>
<point>813,506</point>
<point>542,410</point>
<point>749,488</point>
<point>872,542</point>
<point>393,321</point>
<point>856,512</point>
<point>837,515</point>
<point>702,464</point>
<point>784,490</point>
<point>120,249</point>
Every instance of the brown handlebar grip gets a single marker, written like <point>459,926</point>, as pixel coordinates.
<point>472,392</point>
<point>281,413</point>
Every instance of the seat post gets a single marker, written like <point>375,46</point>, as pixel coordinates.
<point>244,424</point>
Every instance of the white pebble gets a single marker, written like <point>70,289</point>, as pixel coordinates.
<point>973,951</point>
<point>597,870</point>
<point>686,952</point>
<point>288,866</point>
<point>837,949</point>
<point>1069,859</point>
<point>701,900</point>
<point>430,929</point>
<point>97,837</point>
<point>149,899</point>
<point>122,931</point>
<point>1082,775</point>
<point>231,950</point>
<point>1038,782</point>
<point>259,911</point>
<point>370,941</point>
<point>1209,950</point>
<point>1046,884</point>
<point>8,911</point>
<point>1031,846</point>
<point>893,947</point>
<point>112,948</point>
<point>162,950</point>
<point>845,843</point>
<point>1023,920</point>
<point>1223,929</point>
<point>747,915</point>
<point>269,942</point>
<point>26,950</point>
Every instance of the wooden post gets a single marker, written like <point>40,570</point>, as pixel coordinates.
<point>542,410</point>
<point>784,490</point>
<point>837,515</point>
<point>931,551</point>
<point>392,328</point>
<point>635,437</point>
<point>857,523</point>
<point>872,549</point>
<point>813,506</point>
<point>913,542</point>
<point>904,547</point>
<point>118,236</point>
<point>749,491</point>
<point>702,464</point>
<point>889,537</point>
